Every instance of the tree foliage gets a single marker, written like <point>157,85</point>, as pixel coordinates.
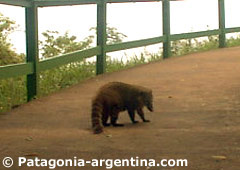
<point>113,36</point>
<point>56,44</point>
<point>7,54</point>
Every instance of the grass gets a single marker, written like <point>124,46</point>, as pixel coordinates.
<point>12,93</point>
<point>64,76</point>
<point>182,47</point>
<point>234,41</point>
<point>13,90</point>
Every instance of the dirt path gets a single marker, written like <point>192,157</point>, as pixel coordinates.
<point>197,116</point>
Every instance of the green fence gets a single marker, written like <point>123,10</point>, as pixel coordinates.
<point>33,66</point>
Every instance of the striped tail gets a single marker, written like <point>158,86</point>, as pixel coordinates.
<point>97,109</point>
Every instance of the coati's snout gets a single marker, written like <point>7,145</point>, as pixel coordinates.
<point>148,103</point>
<point>148,98</point>
<point>150,107</point>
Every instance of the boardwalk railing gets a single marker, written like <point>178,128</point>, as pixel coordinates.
<point>33,66</point>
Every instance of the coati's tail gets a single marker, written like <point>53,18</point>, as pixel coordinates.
<point>97,109</point>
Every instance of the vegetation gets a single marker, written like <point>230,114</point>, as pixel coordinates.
<point>13,90</point>
<point>55,44</point>
<point>233,41</point>
<point>7,55</point>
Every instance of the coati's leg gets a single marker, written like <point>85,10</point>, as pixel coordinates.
<point>105,119</point>
<point>141,114</point>
<point>132,115</point>
<point>114,117</point>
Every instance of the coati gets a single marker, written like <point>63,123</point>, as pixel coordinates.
<point>115,97</point>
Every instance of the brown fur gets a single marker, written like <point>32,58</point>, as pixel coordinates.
<point>115,97</point>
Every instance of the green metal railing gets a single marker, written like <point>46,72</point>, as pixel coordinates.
<point>33,67</point>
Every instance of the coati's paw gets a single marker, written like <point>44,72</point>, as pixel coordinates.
<point>118,125</point>
<point>106,124</point>
<point>146,121</point>
<point>135,121</point>
<point>97,130</point>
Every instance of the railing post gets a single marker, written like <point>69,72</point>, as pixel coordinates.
<point>166,28</point>
<point>101,35</point>
<point>32,49</point>
<point>221,16</point>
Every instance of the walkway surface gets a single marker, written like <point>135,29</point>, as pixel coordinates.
<point>196,117</point>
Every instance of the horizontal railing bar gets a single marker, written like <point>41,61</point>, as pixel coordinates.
<point>119,1</point>
<point>46,3</point>
<point>22,3</point>
<point>231,30</point>
<point>134,44</point>
<point>42,3</point>
<point>14,70</point>
<point>175,37</point>
<point>68,58</point>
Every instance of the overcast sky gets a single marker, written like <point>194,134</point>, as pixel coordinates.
<point>136,20</point>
